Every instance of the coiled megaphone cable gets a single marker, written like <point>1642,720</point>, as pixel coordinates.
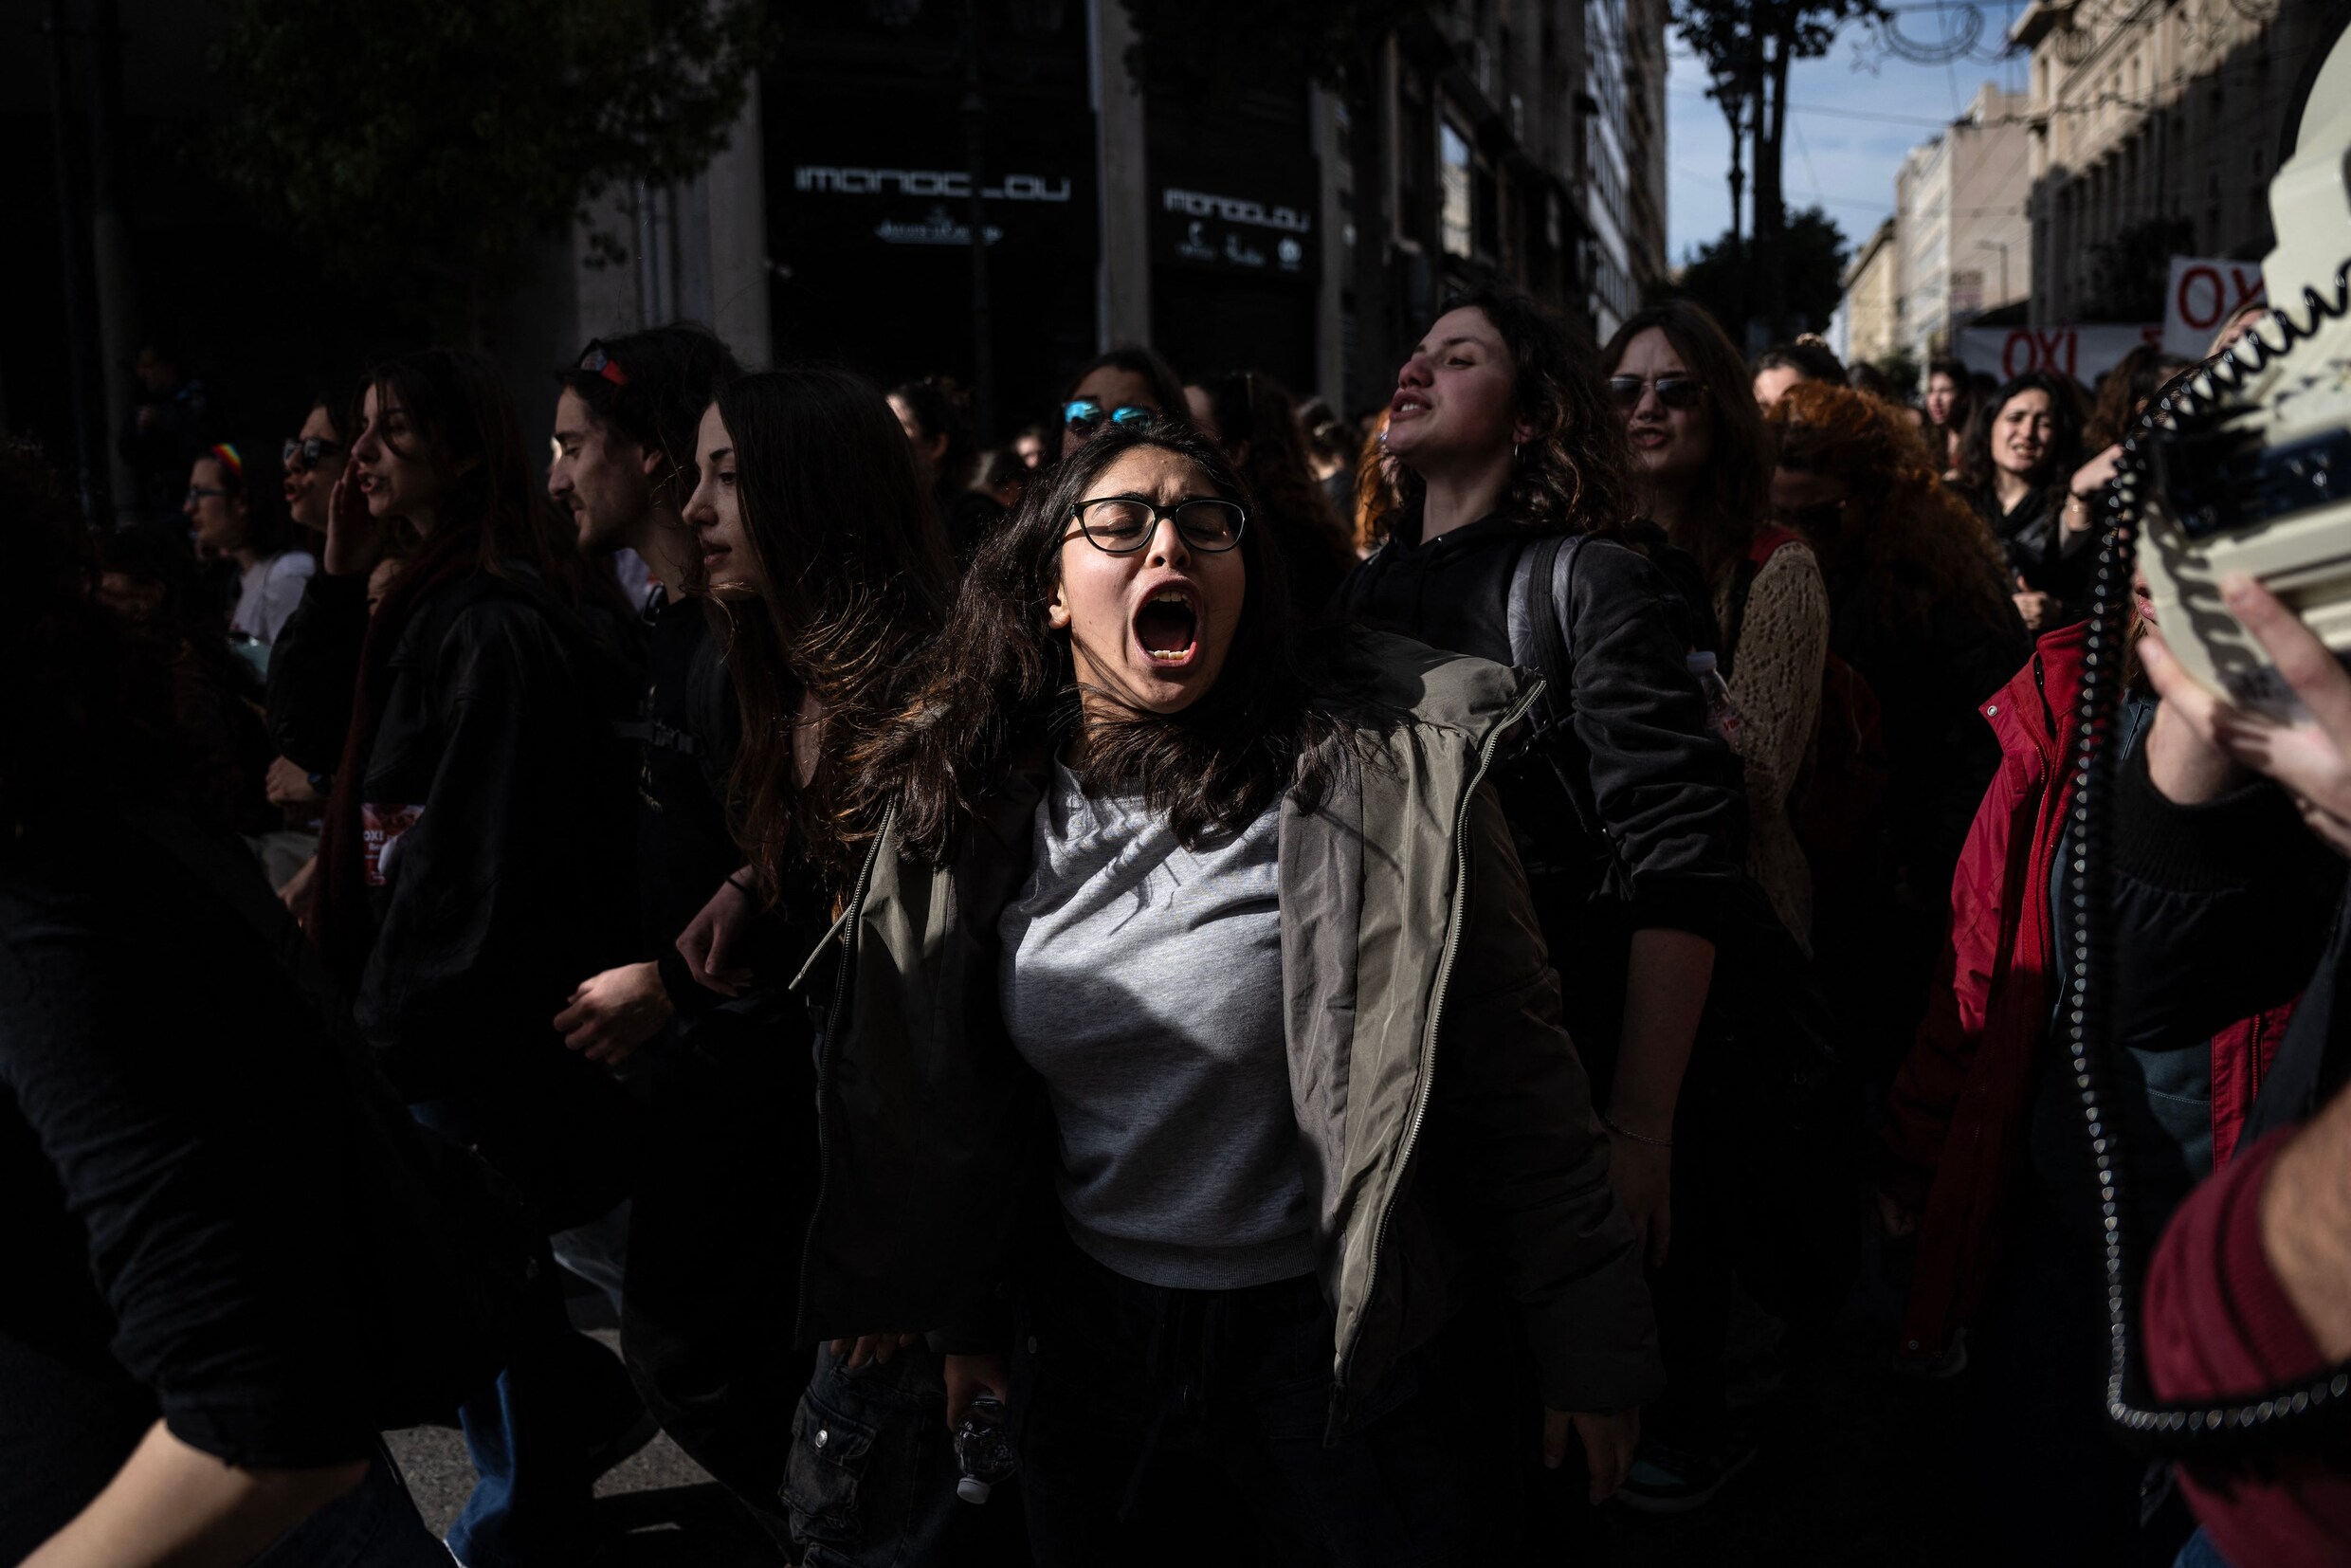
<point>2319,1405</point>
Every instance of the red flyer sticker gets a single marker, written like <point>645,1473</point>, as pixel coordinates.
<point>380,828</point>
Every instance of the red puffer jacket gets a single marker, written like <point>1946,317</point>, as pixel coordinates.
<point>1956,1119</point>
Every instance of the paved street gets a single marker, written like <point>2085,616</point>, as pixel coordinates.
<point>1856,1445</point>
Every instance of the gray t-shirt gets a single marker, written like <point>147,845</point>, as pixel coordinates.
<point>1143,982</point>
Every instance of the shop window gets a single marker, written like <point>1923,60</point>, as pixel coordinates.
<point>1453,178</point>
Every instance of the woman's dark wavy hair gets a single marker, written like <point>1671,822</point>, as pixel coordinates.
<point>858,578</point>
<point>458,406</point>
<point>1002,681</point>
<point>2124,390</point>
<point>2065,443</point>
<point>1734,492</point>
<point>1914,542</point>
<point>1251,409</point>
<point>1574,475</point>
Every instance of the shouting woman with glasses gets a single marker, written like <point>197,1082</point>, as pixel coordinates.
<point>1700,460</point>
<point>1234,962</point>
<point>1129,386</point>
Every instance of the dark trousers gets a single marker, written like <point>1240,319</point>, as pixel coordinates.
<point>1174,1426</point>
<point>714,1246</point>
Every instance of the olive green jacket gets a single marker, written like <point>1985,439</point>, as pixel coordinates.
<point>1444,1119</point>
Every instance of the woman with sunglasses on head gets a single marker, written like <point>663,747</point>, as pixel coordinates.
<point>1704,466</point>
<point>1130,385</point>
<point>1253,423</point>
<point>1237,1046</point>
<point>1628,811</point>
<point>236,510</point>
<point>473,866</point>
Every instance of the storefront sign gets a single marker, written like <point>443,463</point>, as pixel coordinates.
<point>1222,224</point>
<point>2083,353</point>
<point>2205,292</point>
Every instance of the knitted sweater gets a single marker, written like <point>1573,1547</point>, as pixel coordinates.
<point>1783,645</point>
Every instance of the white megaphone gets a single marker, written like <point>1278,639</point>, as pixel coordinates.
<point>2249,464</point>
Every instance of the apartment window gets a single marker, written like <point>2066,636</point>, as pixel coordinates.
<point>1453,181</point>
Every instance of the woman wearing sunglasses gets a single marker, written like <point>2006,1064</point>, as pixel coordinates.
<point>314,458</point>
<point>1703,471</point>
<point>1129,386</point>
<point>1192,1003</point>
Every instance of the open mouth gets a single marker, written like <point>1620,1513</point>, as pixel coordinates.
<point>1168,627</point>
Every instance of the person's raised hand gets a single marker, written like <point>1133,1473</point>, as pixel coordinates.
<point>611,1014</point>
<point>2032,604</point>
<point>2212,737</point>
<point>355,537</point>
<point>1609,1438</point>
<point>708,941</point>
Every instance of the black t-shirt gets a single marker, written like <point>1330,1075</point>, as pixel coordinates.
<point>176,1140</point>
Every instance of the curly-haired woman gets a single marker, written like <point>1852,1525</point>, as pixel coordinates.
<point>1917,605</point>
<point>1191,1000</point>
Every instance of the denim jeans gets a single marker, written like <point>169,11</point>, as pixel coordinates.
<point>373,1525</point>
<point>2200,1553</point>
<point>1180,1426</point>
<point>871,1478</point>
<point>532,1437</point>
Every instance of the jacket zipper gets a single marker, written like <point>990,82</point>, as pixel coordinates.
<point>826,1048</point>
<point>1437,1018</point>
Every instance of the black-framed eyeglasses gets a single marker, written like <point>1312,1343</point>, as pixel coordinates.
<point>1083,416</point>
<point>1673,390</point>
<point>596,360</point>
<point>307,452</point>
<point>203,492</point>
<point>1119,525</point>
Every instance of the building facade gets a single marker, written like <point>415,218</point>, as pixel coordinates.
<point>1228,214</point>
<point>1961,222</point>
<point>2155,127</point>
<point>1873,309</point>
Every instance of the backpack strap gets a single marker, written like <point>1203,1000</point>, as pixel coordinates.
<point>1766,543</point>
<point>1541,585</point>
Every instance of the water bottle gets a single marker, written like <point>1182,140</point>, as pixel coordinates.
<point>983,1449</point>
<point>1719,704</point>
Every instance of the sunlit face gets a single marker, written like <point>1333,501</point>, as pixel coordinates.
<point>1031,448</point>
<point>2022,431</point>
<point>1669,445</point>
<point>1150,629</point>
<point>1455,398</point>
<point>308,488</point>
<point>215,517</point>
<point>603,479</point>
<point>929,451</point>
<point>1113,388</point>
<point>1943,395</point>
<point>715,512</point>
<point>1772,385</point>
<point>389,462</point>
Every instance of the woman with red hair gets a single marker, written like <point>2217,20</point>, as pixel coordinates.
<point>1919,606</point>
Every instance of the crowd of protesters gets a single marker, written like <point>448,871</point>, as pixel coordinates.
<point>1295,975</point>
